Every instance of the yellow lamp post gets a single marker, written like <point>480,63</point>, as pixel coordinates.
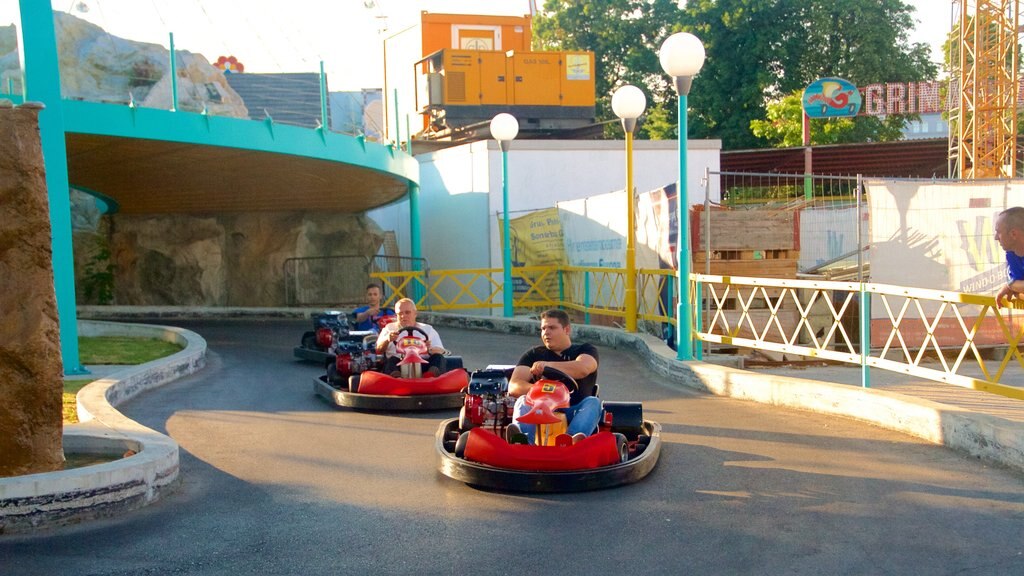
<point>628,103</point>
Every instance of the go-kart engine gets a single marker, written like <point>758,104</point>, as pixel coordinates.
<point>487,401</point>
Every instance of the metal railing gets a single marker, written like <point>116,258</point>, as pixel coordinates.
<point>958,339</point>
<point>936,335</point>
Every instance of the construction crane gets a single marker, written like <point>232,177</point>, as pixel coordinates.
<point>983,89</point>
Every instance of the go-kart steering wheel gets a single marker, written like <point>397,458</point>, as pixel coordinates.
<point>412,331</point>
<point>557,375</point>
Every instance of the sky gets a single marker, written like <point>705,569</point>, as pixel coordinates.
<point>296,35</point>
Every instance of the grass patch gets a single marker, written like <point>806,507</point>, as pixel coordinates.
<point>71,388</point>
<point>111,350</point>
<point>123,349</point>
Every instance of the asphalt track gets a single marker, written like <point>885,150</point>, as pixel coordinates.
<point>276,481</point>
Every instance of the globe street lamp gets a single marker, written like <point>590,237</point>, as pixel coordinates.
<point>628,103</point>
<point>682,56</point>
<point>504,128</point>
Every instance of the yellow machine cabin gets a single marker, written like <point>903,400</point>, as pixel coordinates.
<point>467,68</point>
<point>545,91</point>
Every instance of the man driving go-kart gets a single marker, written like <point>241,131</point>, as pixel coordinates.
<point>392,335</point>
<point>579,361</point>
<point>367,317</point>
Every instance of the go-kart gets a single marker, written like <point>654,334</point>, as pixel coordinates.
<point>472,448</point>
<point>358,381</point>
<point>332,328</point>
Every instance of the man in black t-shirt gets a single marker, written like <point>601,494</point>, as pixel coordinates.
<point>576,360</point>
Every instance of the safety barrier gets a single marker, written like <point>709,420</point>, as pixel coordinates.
<point>932,334</point>
<point>935,335</point>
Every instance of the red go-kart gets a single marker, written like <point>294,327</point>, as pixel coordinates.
<point>473,448</point>
<point>372,389</point>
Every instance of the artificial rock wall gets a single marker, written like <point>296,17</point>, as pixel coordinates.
<point>231,259</point>
<point>31,380</point>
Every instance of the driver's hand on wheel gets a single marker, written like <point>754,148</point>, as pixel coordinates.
<point>538,368</point>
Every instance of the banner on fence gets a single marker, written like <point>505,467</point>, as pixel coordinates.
<point>826,233</point>
<point>536,240</point>
<point>595,229</point>
<point>938,236</point>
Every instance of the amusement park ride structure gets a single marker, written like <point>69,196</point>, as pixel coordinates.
<point>983,64</point>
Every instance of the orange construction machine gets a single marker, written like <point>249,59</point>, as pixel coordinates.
<point>470,68</point>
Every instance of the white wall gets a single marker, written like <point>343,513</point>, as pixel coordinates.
<point>461,188</point>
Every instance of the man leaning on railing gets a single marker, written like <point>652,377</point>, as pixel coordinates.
<point>1009,231</point>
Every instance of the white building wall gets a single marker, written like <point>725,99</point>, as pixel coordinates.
<point>461,188</point>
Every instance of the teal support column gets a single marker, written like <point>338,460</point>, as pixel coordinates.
<point>323,98</point>
<point>684,341</point>
<point>586,297</point>
<point>508,305</point>
<point>38,49</point>
<point>414,238</point>
<point>698,351</point>
<point>174,77</point>
<point>398,122</point>
<point>865,336</point>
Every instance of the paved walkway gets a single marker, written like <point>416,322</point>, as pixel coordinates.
<point>967,399</point>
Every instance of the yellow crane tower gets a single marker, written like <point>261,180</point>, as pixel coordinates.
<point>983,89</point>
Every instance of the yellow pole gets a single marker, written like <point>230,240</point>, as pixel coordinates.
<point>630,238</point>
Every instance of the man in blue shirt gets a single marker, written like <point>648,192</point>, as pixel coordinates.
<point>1009,231</point>
<point>366,317</point>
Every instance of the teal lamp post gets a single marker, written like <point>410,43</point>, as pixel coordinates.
<point>628,103</point>
<point>682,56</point>
<point>504,128</point>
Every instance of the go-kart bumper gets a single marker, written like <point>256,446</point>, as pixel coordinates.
<point>484,475</point>
<point>385,402</point>
<point>312,354</point>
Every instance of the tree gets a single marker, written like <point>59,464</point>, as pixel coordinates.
<point>783,126</point>
<point>757,51</point>
<point>760,50</point>
<point>624,36</point>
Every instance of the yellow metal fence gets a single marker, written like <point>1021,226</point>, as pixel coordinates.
<point>959,339</point>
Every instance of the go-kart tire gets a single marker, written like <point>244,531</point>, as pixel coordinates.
<point>450,440</point>
<point>353,383</point>
<point>460,445</point>
<point>642,442</point>
<point>332,376</point>
<point>622,446</point>
<point>309,340</point>
<point>465,424</point>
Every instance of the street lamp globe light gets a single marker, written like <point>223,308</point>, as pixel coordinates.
<point>682,56</point>
<point>628,103</point>
<point>504,128</point>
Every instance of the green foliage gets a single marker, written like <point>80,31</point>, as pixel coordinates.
<point>757,51</point>
<point>98,276</point>
<point>623,34</point>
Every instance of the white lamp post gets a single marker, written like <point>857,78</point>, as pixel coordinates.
<point>682,56</point>
<point>628,103</point>
<point>504,128</point>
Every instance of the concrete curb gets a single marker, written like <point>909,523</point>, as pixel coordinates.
<point>983,436</point>
<point>71,496</point>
